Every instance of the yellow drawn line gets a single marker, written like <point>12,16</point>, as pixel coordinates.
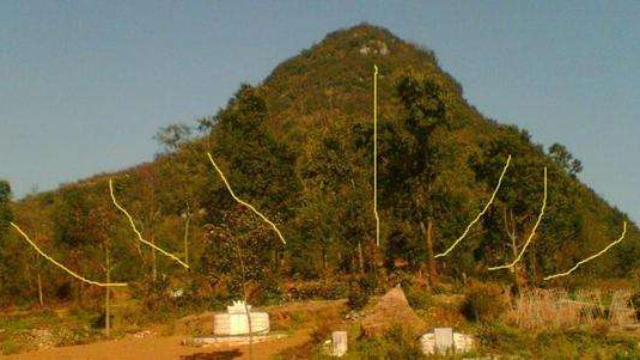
<point>26,237</point>
<point>135,230</point>
<point>224,179</point>
<point>533,231</point>
<point>375,153</point>
<point>624,233</point>
<point>486,208</point>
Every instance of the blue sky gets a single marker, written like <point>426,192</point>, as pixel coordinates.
<point>84,86</point>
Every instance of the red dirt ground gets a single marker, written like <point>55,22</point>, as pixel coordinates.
<point>161,348</point>
<point>170,347</point>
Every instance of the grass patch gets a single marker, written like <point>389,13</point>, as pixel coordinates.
<point>30,331</point>
<point>576,344</point>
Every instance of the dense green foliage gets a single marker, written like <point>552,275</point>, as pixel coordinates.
<point>298,147</point>
<point>6,216</point>
<point>5,211</point>
<point>483,303</point>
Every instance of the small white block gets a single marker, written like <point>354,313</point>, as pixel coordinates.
<point>339,343</point>
<point>444,339</point>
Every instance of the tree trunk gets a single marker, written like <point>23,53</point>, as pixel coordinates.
<point>39,276</point>
<point>80,293</point>
<point>431,261</point>
<point>516,273</point>
<point>40,296</point>
<point>324,261</point>
<point>186,237</point>
<point>107,311</point>
<point>532,259</point>
<point>360,258</point>
<point>377,256</point>
<point>244,295</point>
<point>514,245</point>
<point>154,263</point>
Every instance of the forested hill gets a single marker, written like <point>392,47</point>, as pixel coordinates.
<point>299,147</point>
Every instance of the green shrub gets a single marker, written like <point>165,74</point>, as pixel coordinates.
<point>483,302</point>
<point>358,298</point>
<point>502,338</point>
<point>10,346</point>
<point>361,290</point>
<point>68,337</point>
<point>556,344</point>
<point>325,289</point>
<point>396,343</point>
<point>418,297</point>
<point>635,301</point>
<point>270,292</point>
<point>154,295</point>
<point>369,283</point>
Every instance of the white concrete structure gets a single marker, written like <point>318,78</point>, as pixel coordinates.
<point>339,343</point>
<point>236,322</point>
<point>444,341</point>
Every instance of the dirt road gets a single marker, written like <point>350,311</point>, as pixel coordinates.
<point>157,347</point>
<point>161,348</point>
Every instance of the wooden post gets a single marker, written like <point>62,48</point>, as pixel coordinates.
<point>107,311</point>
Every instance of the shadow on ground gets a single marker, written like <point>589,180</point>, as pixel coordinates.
<point>216,355</point>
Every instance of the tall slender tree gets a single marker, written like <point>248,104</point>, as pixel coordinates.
<point>416,153</point>
<point>5,217</point>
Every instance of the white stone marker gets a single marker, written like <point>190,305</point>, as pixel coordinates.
<point>339,343</point>
<point>444,339</point>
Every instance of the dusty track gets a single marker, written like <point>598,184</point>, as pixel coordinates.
<point>161,348</point>
<point>170,347</point>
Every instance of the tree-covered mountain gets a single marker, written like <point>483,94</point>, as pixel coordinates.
<point>298,146</point>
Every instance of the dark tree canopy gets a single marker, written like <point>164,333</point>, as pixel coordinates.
<point>5,210</point>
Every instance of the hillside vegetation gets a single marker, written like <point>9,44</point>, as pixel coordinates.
<point>298,147</point>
